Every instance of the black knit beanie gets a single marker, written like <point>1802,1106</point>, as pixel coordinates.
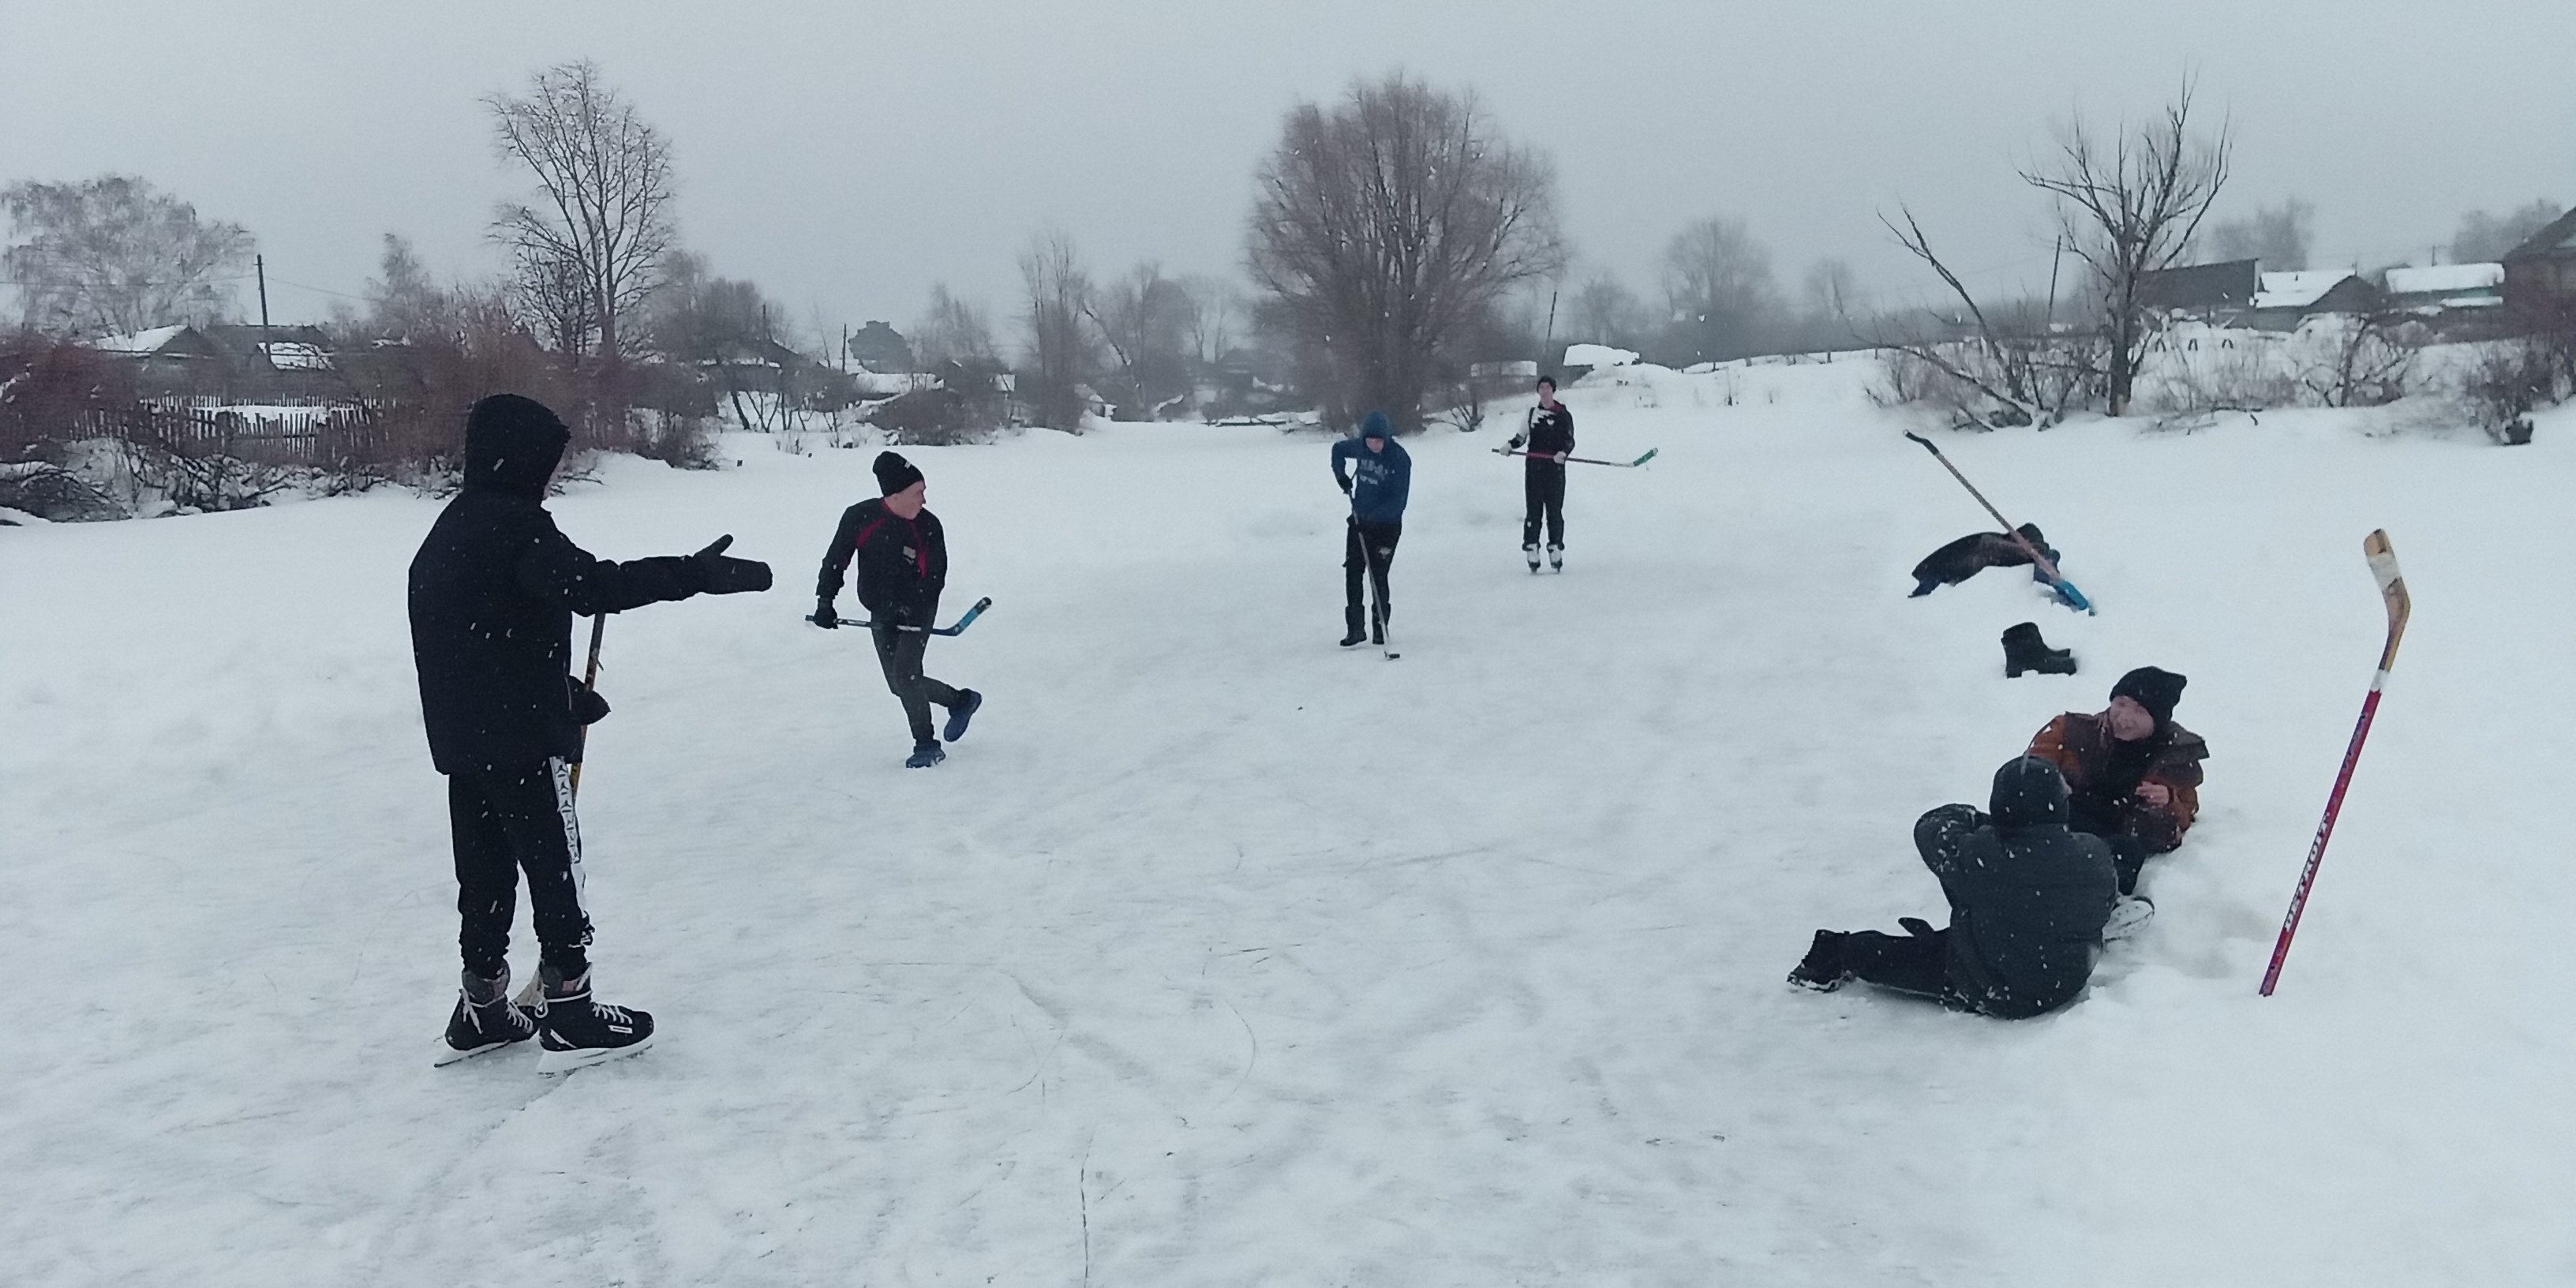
<point>2159,691</point>
<point>894,473</point>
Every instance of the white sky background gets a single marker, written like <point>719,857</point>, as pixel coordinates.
<point>845,156</point>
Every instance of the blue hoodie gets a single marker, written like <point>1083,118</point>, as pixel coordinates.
<point>1384,478</point>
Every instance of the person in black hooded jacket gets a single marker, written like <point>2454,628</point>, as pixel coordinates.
<point>2028,902</point>
<point>902,557</point>
<point>493,592</point>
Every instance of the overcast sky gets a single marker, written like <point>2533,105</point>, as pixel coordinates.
<point>846,156</point>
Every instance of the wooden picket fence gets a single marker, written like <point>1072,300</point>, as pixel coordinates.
<point>319,435</point>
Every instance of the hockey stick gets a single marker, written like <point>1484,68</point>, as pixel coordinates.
<point>957,628</point>
<point>1582,460</point>
<point>2392,592</point>
<point>589,684</point>
<point>527,996</point>
<point>2065,589</point>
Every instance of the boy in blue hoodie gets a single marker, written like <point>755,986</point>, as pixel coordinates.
<point>1377,480</point>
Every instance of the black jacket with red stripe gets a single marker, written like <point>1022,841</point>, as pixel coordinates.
<point>903,563</point>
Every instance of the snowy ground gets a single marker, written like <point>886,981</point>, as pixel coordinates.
<point>1217,955</point>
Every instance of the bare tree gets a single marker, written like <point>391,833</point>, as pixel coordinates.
<point>1718,281</point>
<point>1831,288</point>
<point>1387,224</point>
<point>114,254</point>
<point>2130,208</point>
<point>1604,312</point>
<point>1058,293</point>
<point>1214,309</point>
<point>2280,236</point>
<point>2011,369</point>
<point>951,330</point>
<point>402,301</point>
<point>604,223</point>
<point>1144,317</point>
<point>2483,237</point>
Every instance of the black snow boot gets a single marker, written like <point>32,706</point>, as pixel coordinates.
<point>1353,630</point>
<point>484,1019</point>
<point>1823,968</point>
<point>2024,650</point>
<point>576,1031</point>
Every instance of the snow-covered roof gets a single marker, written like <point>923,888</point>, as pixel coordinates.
<point>139,342</point>
<point>2299,290</point>
<point>286,355</point>
<point>1598,355</point>
<point>2445,279</point>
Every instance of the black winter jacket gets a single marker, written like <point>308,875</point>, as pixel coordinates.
<point>903,563</point>
<point>2028,898</point>
<point>1551,430</point>
<point>493,593</point>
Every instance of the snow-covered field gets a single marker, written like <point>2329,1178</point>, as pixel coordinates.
<point>1217,955</point>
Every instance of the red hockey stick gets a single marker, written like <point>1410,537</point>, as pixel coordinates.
<point>2392,589</point>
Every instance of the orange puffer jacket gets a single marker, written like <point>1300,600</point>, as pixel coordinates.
<point>2082,750</point>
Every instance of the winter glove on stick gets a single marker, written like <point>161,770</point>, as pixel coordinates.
<point>588,708</point>
<point>718,575</point>
<point>825,617</point>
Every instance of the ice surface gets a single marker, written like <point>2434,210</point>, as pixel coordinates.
<point>1217,955</point>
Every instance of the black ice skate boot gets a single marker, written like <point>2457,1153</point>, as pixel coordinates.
<point>1555,558</point>
<point>484,1019</point>
<point>574,1031</point>
<point>2024,650</point>
<point>1823,969</point>
<point>1530,552</point>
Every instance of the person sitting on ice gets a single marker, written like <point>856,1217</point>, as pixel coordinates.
<point>2135,774</point>
<point>1976,552</point>
<point>2028,901</point>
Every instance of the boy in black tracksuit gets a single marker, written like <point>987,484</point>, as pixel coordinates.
<point>493,592</point>
<point>1550,439</point>
<point>902,556</point>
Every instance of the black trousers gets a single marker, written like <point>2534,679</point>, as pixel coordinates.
<point>1917,964</point>
<point>1369,550</point>
<point>505,821</point>
<point>899,652</point>
<point>1543,486</point>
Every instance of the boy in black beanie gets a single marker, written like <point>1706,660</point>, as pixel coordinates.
<point>903,565</point>
<point>2135,774</point>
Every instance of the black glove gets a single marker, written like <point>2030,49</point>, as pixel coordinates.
<point>825,617</point>
<point>718,575</point>
<point>588,708</point>
<point>1517,441</point>
<point>1346,484</point>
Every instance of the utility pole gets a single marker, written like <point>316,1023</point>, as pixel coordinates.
<point>259,264</point>
<point>2054,258</point>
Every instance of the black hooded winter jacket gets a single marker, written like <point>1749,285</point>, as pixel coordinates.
<point>2028,897</point>
<point>493,593</point>
<point>902,563</point>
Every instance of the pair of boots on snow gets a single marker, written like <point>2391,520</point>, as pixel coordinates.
<point>572,1029</point>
